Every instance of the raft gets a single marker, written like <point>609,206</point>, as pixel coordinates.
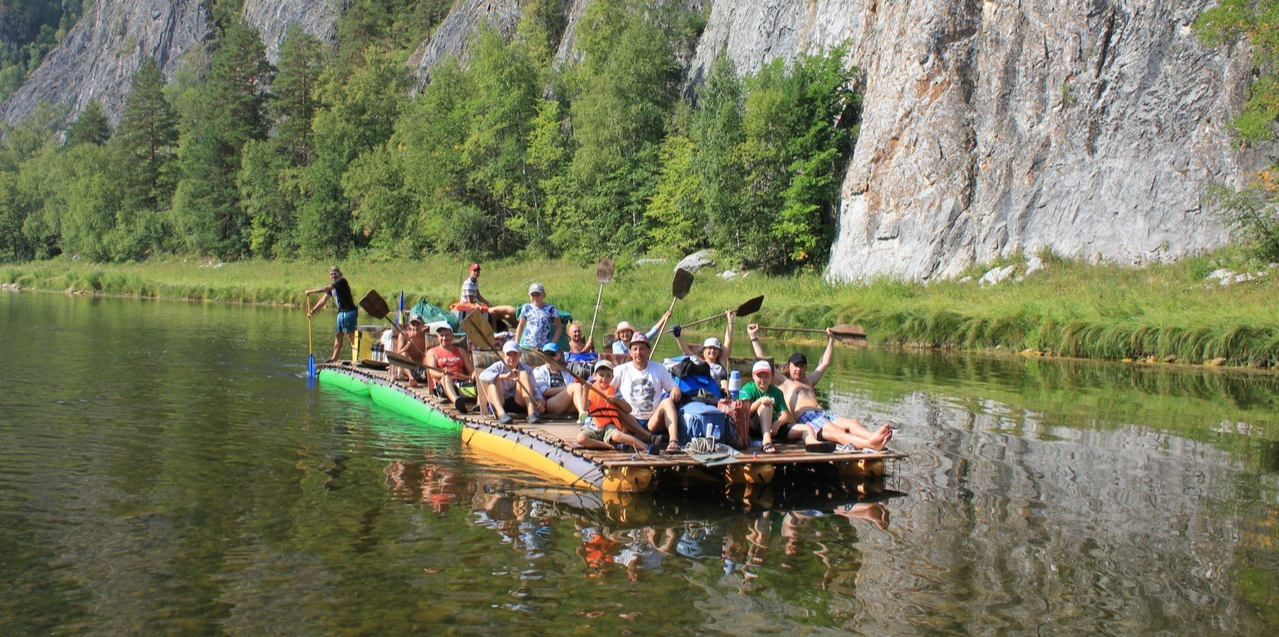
<point>549,448</point>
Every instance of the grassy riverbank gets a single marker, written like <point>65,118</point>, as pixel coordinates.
<point>1067,309</point>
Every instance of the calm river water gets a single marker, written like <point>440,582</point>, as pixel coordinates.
<point>165,467</point>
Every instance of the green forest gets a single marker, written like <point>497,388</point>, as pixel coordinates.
<point>335,151</point>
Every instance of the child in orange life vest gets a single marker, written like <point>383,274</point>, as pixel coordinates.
<point>602,428</point>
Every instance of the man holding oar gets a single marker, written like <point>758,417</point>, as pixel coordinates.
<point>508,385</point>
<point>814,423</point>
<point>347,313</point>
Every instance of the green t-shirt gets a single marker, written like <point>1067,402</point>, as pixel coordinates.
<point>751,393</point>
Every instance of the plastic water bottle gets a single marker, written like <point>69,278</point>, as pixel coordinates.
<point>734,384</point>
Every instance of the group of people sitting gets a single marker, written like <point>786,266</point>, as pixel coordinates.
<point>627,399</point>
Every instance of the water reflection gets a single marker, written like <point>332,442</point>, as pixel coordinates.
<point>186,480</point>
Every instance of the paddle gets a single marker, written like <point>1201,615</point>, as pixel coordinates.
<point>374,305</point>
<point>603,274</point>
<point>679,289</point>
<point>852,334</point>
<point>746,309</point>
<point>477,328</point>
<point>310,345</point>
<point>400,360</point>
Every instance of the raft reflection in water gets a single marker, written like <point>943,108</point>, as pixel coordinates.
<point>635,535</point>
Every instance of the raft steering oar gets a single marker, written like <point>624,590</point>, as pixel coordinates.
<point>679,289</point>
<point>310,345</point>
<point>852,334</point>
<point>746,309</point>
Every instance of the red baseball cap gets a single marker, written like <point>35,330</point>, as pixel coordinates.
<point>475,266</point>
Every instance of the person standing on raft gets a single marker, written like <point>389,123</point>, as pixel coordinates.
<point>347,312</point>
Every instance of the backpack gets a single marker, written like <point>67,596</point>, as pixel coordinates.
<point>693,375</point>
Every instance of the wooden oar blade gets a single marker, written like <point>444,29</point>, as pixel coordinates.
<point>750,307</point>
<point>477,328</point>
<point>682,283</point>
<point>374,305</point>
<point>400,360</point>
<point>604,271</point>
<point>851,334</point>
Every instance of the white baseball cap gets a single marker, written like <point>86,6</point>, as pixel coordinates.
<point>761,366</point>
<point>712,342</point>
<point>536,287</point>
<point>509,347</point>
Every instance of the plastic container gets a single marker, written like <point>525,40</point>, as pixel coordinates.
<point>734,384</point>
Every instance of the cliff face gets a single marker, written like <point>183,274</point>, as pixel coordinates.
<point>97,58</point>
<point>1088,127</point>
<point>453,36</point>
<point>99,55</point>
<point>990,126</point>
<point>273,18</point>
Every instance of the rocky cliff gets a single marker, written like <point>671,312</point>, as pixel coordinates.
<point>1086,126</point>
<point>274,18</point>
<point>1089,127</point>
<point>100,53</point>
<point>97,58</point>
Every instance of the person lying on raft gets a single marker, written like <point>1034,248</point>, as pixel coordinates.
<point>508,387</point>
<point>499,315</point>
<point>556,387</point>
<point>456,369</point>
<point>814,423</point>
<point>602,424</point>
<point>767,401</point>
<point>641,383</point>
<point>712,352</point>
<point>625,330</point>
<point>411,342</point>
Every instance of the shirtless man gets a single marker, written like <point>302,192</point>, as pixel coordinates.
<point>801,400</point>
<point>411,342</point>
<point>455,366</point>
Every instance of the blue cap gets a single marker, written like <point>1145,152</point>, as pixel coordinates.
<point>551,347</point>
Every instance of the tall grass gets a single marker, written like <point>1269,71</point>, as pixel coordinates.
<point>1070,309</point>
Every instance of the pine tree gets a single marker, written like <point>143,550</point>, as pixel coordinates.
<point>293,93</point>
<point>91,127</point>
<point>228,113</point>
<point>145,141</point>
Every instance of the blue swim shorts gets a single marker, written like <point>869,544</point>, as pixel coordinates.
<point>346,321</point>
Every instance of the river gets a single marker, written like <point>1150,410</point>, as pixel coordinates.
<point>165,466</point>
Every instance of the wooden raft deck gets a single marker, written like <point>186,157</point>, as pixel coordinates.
<point>550,448</point>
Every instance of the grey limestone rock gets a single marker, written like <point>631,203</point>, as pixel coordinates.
<point>97,58</point>
<point>696,261</point>
<point>99,55</point>
<point>991,127</point>
<point>452,38</point>
<point>273,19</point>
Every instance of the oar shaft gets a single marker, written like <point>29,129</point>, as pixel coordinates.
<point>808,330</point>
<point>598,298</point>
<point>700,321</point>
<point>659,334</point>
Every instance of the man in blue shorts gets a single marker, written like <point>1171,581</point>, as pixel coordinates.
<point>340,290</point>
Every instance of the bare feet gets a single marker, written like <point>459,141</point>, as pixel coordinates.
<point>879,441</point>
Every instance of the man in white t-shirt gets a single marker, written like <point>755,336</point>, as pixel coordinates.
<point>641,384</point>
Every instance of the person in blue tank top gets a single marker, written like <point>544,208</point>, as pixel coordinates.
<point>340,290</point>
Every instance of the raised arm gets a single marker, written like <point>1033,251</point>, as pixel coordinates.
<point>827,356</point>
<point>752,331</point>
<point>683,347</point>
